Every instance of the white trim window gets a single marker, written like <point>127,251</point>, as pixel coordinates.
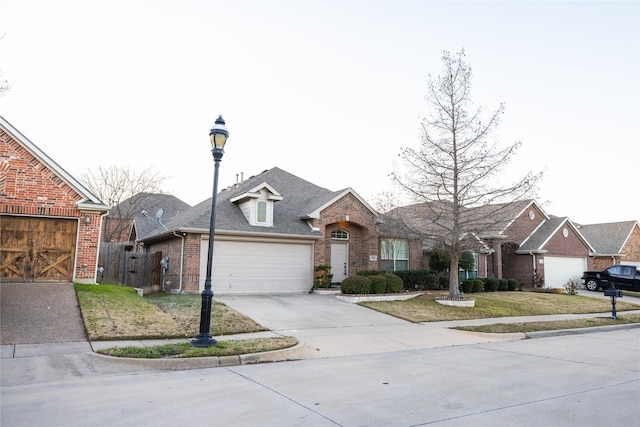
<point>394,254</point>
<point>340,235</point>
<point>261,212</point>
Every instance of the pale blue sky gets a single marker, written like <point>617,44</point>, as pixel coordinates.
<point>329,91</point>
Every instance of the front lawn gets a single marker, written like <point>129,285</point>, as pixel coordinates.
<point>113,312</point>
<point>495,304</point>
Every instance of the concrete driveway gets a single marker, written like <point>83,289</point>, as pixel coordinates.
<point>37,313</point>
<point>330,327</point>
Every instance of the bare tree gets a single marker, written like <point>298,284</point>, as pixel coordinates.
<point>4,84</point>
<point>451,178</point>
<point>116,186</point>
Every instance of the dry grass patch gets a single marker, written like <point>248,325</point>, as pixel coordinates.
<point>495,304</point>
<point>500,328</point>
<point>113,312</point>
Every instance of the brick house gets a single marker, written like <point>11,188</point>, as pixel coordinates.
<point>271,230</point>
<point>49,223</point>
<point>614,243</point>
<point>511,240</point>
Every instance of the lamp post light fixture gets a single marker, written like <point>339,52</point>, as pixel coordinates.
<point>218,135</point>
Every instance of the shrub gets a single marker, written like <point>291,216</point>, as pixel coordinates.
<point>369,273</point>
<point>513,284</point>
<point>322,279</point>
<point>394,283</point>
<point>356,285</point>
<point>503,284</point>
<point>443,282</point>
<point>478,284</point>
<point>467,286</point>
<point>378,284</point>
<point>571,287</point>
<point>432,283</point>
<point>417,279</point>
<point>491,285</point>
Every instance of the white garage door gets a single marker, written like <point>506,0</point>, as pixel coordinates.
<point>634,263</point>
<point>258,267</point>
<point>558,270</point>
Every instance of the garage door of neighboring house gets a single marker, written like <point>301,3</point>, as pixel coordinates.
<point>37,249</point>
<point>241,267</point>
<point>558,270</point>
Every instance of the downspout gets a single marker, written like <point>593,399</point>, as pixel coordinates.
<point>181,236</point>
<point>533,259</point>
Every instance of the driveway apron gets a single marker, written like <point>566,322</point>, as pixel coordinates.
<point>37,313</point>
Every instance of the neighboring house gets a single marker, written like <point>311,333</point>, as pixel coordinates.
<point>512,240</point>
<point>613,243</point>
<point>140,215</point>
<point>49,223</point>
<point>271,230</point>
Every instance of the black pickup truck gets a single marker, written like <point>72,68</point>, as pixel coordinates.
<point>623,276</point>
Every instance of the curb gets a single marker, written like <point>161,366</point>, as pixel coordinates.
<point>577,331</point>
<point>178,364</point>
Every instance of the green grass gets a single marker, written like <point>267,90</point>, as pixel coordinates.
<point>222,348</point>
<point>495,304</point>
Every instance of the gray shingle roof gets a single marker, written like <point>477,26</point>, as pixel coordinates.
<point>152,202</point>
<point>608,238</point>
<point>536,241</point>
<point>300,198</point>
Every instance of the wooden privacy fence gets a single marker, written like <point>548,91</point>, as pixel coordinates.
<point>136,269</point>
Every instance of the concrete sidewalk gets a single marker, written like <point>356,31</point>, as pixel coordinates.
<point>325,327</point>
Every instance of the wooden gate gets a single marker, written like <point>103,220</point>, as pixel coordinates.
<point>37,249</point>
<point>136,269</point>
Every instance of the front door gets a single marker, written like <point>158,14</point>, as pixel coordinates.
<point>339,261</point>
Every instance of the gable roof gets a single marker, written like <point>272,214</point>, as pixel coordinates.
<point>147,223</point>
<point>88,200</point>
<point>608,238</point>
<point>537,240</point>
<point>300,201</point>
<point>488,221</point>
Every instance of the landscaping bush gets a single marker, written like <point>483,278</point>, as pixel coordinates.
<point>378,284</point>
<point>478,285</point>
<point>503,285</point>
<point>467,286</point>
<point>356,285</point>
<point>443,282</point>
<point>394,283</point>
<point>491,285</point>
<point>513,284</point>
<point>368,273</point>
<point>414,280</point>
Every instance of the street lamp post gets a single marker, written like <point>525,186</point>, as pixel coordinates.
<point>219,135</point>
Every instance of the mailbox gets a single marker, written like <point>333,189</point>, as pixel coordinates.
<point>613,293</point>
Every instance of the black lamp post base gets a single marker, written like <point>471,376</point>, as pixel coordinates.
<point>203,341</point>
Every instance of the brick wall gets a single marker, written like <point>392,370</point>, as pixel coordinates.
<point>349,214</point>
<point>29,187</point>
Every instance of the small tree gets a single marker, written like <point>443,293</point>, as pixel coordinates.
<point>467,262</point>
<point>439,260</point>
<point>452,174</point>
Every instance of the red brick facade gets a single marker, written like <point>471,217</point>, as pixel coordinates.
<point>29,187</point>
<point>349,214</point>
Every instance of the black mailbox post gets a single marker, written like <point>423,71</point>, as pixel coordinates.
<point>613,293</point>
